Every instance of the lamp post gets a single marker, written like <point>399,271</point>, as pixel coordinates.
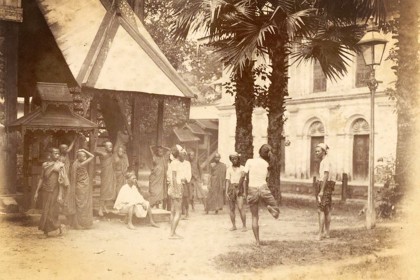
<point>372,46</point>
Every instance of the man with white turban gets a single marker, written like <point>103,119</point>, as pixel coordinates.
<point>325,188</point>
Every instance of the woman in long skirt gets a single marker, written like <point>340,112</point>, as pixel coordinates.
<point>79,181</point>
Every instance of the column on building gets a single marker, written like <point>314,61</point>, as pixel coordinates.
<point>291,158</point>
<point>226,138</point>
<point>259,128</point>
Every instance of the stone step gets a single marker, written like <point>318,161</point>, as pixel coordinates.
<point>8,204</point>
<point>159,215</point>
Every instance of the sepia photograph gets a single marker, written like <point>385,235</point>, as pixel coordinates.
<point>209,139</point>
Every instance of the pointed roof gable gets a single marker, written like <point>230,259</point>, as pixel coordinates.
<point>106,46</point>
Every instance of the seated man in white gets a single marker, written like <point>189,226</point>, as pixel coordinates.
<point>129,201</point>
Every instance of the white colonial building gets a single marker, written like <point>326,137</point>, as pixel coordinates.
<point>320,110</point>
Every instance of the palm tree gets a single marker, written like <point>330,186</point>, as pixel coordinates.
<point>213,19</point>
<point>322,30</point>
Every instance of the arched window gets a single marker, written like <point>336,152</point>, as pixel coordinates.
<point>360,130</point>
<point>320,80</point>
<point>316,132</point>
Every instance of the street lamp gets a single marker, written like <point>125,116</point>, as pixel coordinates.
<point>372,46</point>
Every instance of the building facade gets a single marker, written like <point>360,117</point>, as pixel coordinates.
<point>320,110</point>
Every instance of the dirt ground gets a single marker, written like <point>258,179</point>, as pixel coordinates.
<point>208,251</point>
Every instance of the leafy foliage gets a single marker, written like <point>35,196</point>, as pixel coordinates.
<point>325,30</point>
<point>198,67</point>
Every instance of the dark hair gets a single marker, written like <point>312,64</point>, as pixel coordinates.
<point>175,151</point>
<point>264,151</point>
<point>128,174</point>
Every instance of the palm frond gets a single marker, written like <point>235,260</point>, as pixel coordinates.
<point>299,22</point>
<point>352,10</point>
<point>333,57</point>
<point>347,35</point>
<point>205,16</point>
<point>249,39</point>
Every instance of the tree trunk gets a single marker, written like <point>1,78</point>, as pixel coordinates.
<point>244,104</point>
<point>407,92</point>
<point>277,92</point>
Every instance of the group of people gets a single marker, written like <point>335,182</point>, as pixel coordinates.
<point>65,189</point>
<point>175,181</point>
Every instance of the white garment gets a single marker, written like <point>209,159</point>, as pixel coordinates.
<point>233,174</point>
<point>325,166</point>
<point>257,169</point>
<point>174,166</point>
<point>185,170</point>
<point>129,196</point>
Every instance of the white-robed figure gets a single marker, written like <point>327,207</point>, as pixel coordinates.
<point>130,201</point>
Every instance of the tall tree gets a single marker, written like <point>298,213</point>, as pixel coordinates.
<point>324,30</point>
<point>407,91</point>
<point>213,19</point>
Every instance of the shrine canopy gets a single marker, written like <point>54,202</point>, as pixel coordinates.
<point>107,47</point>
<point>54,114</point>
<point>185,135</point>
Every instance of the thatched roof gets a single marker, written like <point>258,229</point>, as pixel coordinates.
<point>106,46</point>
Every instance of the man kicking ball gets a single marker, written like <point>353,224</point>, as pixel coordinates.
<point>256,189</point>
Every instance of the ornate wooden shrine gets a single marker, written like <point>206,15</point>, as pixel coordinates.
<point>53,123</point>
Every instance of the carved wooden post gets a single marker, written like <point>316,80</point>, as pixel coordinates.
<point>93,137</point>
<point>10,88</point>
<point>160,112</point>
<point>135,125</point>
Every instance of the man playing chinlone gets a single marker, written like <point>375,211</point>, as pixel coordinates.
<point>256,189</point>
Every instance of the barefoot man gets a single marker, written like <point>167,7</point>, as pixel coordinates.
<point>175,190</point>
<point>130,201</point>
<point>256,190</point>
<point>234,191</point>
<point>325,185</point>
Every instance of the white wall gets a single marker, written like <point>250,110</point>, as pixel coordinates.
<point>337,108</point>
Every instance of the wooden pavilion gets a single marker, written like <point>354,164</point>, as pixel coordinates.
<point>117,65</point>
<point>114,69</point>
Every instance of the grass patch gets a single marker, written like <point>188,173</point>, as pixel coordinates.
<point>344,243</point>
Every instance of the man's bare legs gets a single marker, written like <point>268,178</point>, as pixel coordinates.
<point>175,217</point>
<point>102,208</point>
<point>255,227</point>
<point>185,206</point>
<point>149,214</point>
<point>130,217</point>
<point>203,200</point>
<point>321,221</point>
<point>192,204</point>
<point>327,214</point>
<point>232,206</point>
<point>241,208</point>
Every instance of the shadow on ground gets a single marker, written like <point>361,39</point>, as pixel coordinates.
<point>342,244</point>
